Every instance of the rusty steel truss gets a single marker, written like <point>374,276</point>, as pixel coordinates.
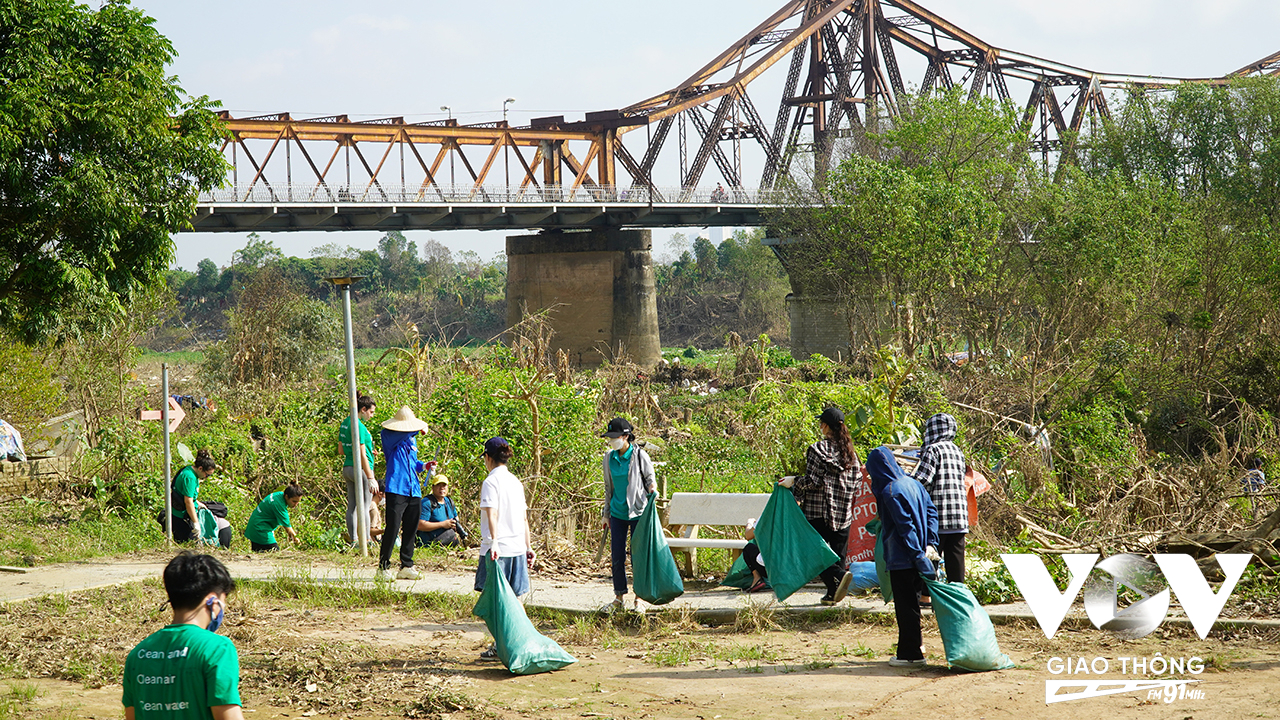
<point>845,60</point>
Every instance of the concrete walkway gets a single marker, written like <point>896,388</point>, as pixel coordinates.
<point>716,605</point>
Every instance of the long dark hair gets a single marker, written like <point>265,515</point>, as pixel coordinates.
<point>844,445</point>
<point>204,460</point>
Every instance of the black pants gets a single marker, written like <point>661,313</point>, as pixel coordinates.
<point>751,556</point>
<point>838,540</point>
<point>448,538</point>
<point>952,552</point>
<point>619,531</point>
<point>402,517</point>
<point>264,547</point>
<point>906,608</point>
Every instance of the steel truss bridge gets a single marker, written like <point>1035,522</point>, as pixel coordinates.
<point>845,63</point>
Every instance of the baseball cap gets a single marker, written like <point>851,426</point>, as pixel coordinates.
<point>617,428</point>
<point>832,416</point>
<point>494,444</point>
<point>439,480</point>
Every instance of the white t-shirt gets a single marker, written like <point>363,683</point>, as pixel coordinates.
<point>505,492</point>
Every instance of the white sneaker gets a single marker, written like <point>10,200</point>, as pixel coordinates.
<point>386,574</point>
<point>898,662</point>
<point>409,573</point>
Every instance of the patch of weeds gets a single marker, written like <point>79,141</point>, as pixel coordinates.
<point>756,618</point>
<point>17,700</point>
<point>818,664</point>
<point>441,700</point>
<point>674,654</point>
<point>1220,662</point>
<point>738,653</point>
<point>677,620</point>
<point>863,651</point>
<point>590,631</point>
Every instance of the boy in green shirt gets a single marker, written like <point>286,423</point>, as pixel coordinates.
<point>270,514</point>
<point>365,408</point>
<point>186,671</point>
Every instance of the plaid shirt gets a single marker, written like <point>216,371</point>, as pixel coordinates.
<point>941,471</point>
<point>826,490</point>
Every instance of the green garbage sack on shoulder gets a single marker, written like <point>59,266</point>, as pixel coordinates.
<point>654,572</point>
<point>882,570</point>
<point>966,630</point>
<point>739,575</point>
<point>793,551</point>
<point>523,649</point>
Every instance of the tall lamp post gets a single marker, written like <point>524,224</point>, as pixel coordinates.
<point>447,109</point>
<point>506,146</point>
<point>357,469</point>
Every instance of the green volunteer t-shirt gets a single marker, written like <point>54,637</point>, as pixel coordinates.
<point>179,672</point>
<point>366,442</point>
<point>186,484</point>
<point>620,470</point>
<point>270,514</point>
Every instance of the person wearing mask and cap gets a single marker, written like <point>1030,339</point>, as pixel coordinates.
<point>404,492</point>
<point>185,669</point>
<point>826,493</point>
<point>628,482</point>
<point>438,522</point>
<point>909,535</point>
<point>504,524</point>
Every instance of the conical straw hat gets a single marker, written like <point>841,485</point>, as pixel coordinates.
<point>404,421</point>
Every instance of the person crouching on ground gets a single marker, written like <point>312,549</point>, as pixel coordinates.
<point>271,513</point>
<point>628,480</point>
<point>941,472</point>
<point>909,528</point>
<point>404,491</point>
<point>754,561</point>
<point>187,670</point>
<point>186,504</point>
<point>826,493</point>
<point>504,524</point>
<point>438,521</point>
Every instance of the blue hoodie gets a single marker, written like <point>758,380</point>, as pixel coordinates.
<point>403,466</point>
<point>908,520</point>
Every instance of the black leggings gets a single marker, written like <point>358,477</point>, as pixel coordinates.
<point>952,552</point>
<point>838,540</point>
<point>751,556</point>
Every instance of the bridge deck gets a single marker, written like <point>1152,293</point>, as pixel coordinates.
<point>320,208</point>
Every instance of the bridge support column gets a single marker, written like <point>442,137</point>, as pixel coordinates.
<point>819,326</point>
<point>599,285</point>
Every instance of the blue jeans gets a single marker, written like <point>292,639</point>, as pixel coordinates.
<point>619,531</point>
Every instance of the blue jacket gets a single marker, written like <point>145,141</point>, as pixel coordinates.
<point>433,511</point>
<point>403,466</point>
<point>908,520</point>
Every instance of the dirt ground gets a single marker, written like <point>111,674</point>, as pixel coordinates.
<point>303,660</point>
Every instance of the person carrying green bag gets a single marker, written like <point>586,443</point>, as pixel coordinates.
<point>794,551</point>
<point>908,532</point>
<point>629,482</point>
<point>657,579</point>
<point>516,642</point>
<point>826,492</point>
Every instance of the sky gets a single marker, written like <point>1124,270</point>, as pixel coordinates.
<point>380,58</point>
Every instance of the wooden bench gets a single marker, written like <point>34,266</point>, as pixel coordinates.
<point>686,512</point>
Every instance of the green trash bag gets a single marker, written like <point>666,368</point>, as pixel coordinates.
<point>208,526</point>
<point>966,630</point>
<point>739,575</point>
<point>793,551</point>
<point>882,570</point>
<point>654,572</point>
<point>523,649</point>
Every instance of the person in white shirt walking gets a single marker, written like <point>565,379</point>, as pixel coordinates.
<point>504,524</point>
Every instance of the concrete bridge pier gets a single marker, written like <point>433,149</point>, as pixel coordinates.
<point>600,286</point>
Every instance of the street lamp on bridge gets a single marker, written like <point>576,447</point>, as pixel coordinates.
<point>506,146</point>
<point>447,109</point>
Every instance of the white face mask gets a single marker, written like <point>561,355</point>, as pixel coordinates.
<point>617,443</point>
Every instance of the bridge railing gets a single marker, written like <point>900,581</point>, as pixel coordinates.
<point>382,193</point>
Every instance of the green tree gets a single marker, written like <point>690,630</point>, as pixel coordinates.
<point>101,159</point>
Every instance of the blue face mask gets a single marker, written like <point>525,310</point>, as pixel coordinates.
<point>215,621</point>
